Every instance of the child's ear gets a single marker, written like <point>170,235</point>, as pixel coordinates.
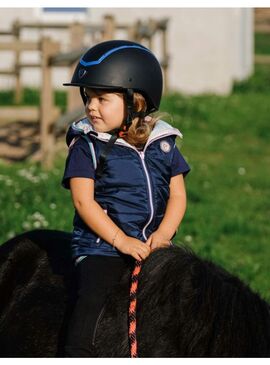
<point>148,118</point>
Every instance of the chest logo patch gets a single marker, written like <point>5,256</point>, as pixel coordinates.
<point>165,146</point>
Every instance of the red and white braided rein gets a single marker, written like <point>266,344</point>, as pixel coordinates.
<point>132,309</point>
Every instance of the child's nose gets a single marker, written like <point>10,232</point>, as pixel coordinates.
<point>92,104</point>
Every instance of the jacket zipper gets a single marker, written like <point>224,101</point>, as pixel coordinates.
<point>141,154</point>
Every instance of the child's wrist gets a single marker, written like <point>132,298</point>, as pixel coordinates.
<point>115,236</point>
<point>164,233</point>
<point>118,238</point>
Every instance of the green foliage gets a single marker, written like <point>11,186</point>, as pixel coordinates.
<point>6,97</point>
<point>32,97</point>
<point>226,142</point>
<point>33,198</point>
<point>262,43</point>
<point>259,82</point>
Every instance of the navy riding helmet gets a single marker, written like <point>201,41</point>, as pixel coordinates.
<point>124,66</point>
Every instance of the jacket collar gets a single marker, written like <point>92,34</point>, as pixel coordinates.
<point>161,129</point>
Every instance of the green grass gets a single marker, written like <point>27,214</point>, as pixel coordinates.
<point>226,142</point>
<point>262,43</point>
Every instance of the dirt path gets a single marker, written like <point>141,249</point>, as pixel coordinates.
<point>20,141</point>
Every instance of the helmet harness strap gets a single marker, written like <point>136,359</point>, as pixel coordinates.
<point>106,150</point>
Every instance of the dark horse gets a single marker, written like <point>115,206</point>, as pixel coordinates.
<point>186,306</point>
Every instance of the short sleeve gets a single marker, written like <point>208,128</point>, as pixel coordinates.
<point>79,163</point>
<point>179,164</point>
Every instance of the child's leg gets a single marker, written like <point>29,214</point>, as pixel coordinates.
<point>96,275</point>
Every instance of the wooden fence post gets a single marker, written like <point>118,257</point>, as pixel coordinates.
<point>137,32</point>
<point>131,32</point>
<point>77,32</point>
<point>165,57</point>
<point>47,109</point>
<point>17,70</point>
<point>109,27</point>
<point>152,28</point>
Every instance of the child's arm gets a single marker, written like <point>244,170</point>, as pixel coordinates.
<point>175,210</point>
<point>82,191</point>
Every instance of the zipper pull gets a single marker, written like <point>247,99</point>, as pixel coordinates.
<point>141,154</point>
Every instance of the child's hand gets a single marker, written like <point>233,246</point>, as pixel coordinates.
<point>132,246</point>
<point>157,239</point>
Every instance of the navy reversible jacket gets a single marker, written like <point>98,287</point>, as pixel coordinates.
<point>133,188</point>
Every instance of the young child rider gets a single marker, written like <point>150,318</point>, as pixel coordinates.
<point>125,173</point>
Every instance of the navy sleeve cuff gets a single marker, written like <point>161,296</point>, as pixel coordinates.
<point>179,164</point>
<point>79,163</point>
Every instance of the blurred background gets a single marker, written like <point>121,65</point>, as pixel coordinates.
<point>216,67</point>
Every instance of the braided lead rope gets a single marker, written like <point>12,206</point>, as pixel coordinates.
<point>132,309</point>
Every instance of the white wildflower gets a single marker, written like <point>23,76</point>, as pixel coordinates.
<point>26,225</point>
<point>188,238</point>
<point>9,182</point>
<point>11,234</point>
<point>43,176</point>
<point>29,175</point>
<point>34,179</point>
<point>38,216</point>
<point>37,224</point>
<point>241,171</point>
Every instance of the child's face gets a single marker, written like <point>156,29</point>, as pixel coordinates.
<point>106,110</point>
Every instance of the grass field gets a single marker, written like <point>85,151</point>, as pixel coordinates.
<point>262,43</point>
<point>226,142</point>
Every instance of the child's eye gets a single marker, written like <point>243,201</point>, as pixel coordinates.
<point>101,99</point>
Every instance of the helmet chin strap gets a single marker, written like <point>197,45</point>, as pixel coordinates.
<point>130,107</point>
<point>83,95</point>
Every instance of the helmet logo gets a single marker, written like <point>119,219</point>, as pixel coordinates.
<point>165,146</point>
<point>82,73</point>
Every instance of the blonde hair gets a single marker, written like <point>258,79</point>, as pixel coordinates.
<point>141,127</point>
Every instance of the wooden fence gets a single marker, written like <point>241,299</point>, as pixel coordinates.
<point>51,56</point>
<point>262,25</point>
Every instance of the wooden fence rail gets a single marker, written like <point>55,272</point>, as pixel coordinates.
<point>51,56</point>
